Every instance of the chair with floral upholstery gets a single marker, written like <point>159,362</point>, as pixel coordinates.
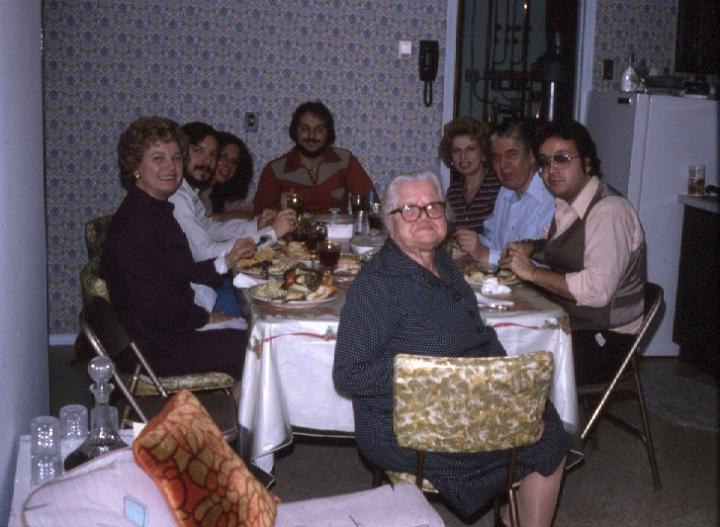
<point>464,405</point>
<point>90,282</point>
<point>146,393</point>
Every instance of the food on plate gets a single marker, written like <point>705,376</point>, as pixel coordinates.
<point>348,265</point>
<point>507,277</point>
<point>297,285</point>
<point>477,275</point>
<point>265,255</point>
<point>322,292</point>
<point>295,250</point>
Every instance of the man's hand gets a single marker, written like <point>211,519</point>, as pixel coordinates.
<point>267,216</point>
<point>469,242</point>
<point>516,257</point>
<point>284,222</point>
<point>243,248</point>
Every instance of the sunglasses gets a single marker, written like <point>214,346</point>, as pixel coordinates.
<point>560,160</point>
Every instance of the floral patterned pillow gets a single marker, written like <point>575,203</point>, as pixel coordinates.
<point>202,479</point>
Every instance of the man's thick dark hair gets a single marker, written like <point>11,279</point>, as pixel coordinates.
<point>570,130</point>
<point>521,129</point>
<point>319,110</point>
<point>197,131</point>
<point>237,186</point>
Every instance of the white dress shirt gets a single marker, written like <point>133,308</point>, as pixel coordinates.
<point>209,238</point>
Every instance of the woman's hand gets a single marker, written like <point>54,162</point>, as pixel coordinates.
<point>218,317</point>
<point>516,258</point>
<point>267,216</point>
<point>284,222</point>
<point>243,248</point>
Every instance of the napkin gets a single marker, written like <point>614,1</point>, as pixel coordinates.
<point>233,323</point>
<point>243,281</point>
<point>492,288</point>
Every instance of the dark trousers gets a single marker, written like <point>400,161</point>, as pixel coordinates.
<point>597,359</point>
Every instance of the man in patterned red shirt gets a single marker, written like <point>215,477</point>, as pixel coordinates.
<point>320,173</point>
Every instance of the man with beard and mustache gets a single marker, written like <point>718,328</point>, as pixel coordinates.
<point>321,174</point>
<point>209,238</point>
<point>523,208</point>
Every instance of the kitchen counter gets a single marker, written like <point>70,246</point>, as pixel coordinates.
<point>708,203</point>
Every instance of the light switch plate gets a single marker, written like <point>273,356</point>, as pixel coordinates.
<point>404,49</point>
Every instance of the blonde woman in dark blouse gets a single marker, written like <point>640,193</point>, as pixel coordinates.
<point>411,296</point>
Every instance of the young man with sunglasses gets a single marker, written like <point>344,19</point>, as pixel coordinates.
<point>595,251</point>
<point>523,207</point>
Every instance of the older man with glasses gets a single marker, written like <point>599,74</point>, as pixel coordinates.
<point>595,251</point>
<point>523,207</point>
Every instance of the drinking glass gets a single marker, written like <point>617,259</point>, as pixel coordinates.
<point>375,223</point>
<point>74,422</point>
<point>296,203</point>
<point>45,453</point>
<point>356,203</point>
<point>329,254</point>
<point>318,234</point>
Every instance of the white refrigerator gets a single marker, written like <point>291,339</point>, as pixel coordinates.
<point>645,144</point>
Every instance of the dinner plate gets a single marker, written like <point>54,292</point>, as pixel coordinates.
<point>276,269</point>
<point>252,293</point>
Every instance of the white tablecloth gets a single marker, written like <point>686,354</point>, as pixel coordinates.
<point>287,379</point>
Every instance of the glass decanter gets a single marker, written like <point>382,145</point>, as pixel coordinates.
<point>103,436</point>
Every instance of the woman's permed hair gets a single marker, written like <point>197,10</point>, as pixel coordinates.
<point>463,126</point>
<point>139,136</point>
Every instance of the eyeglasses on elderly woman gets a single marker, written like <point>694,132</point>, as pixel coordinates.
<point>410,212</point>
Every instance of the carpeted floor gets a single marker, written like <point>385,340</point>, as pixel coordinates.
<point>682,401</point>
<point>613,486</point>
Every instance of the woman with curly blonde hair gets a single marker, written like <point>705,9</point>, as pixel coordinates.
<point>464,148</point>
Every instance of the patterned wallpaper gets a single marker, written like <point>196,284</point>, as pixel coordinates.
<point>108,62</point>
<point>645,27</point>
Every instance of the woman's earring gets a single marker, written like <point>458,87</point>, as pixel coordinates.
<point>136,176</point>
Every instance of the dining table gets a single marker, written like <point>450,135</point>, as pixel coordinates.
<point>287,385</point>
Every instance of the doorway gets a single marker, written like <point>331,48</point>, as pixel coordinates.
<point>515,58</point>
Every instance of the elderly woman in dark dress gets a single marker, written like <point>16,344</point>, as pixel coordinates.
<point>411,297</point>
<point>148,265</point>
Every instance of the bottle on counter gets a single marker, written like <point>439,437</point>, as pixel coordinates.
<point>103,437</point>
<point>629,81</point>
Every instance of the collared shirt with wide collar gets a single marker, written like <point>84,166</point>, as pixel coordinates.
<point>524,217</point>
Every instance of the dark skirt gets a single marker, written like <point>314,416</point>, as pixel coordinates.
<point>219,350</point>
<point>465,481</point>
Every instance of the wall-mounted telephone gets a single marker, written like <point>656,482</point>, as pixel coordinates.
<point>428,64</point>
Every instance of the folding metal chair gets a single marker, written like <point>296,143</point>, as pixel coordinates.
<point>108,338</point>
<point>627,379</point>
